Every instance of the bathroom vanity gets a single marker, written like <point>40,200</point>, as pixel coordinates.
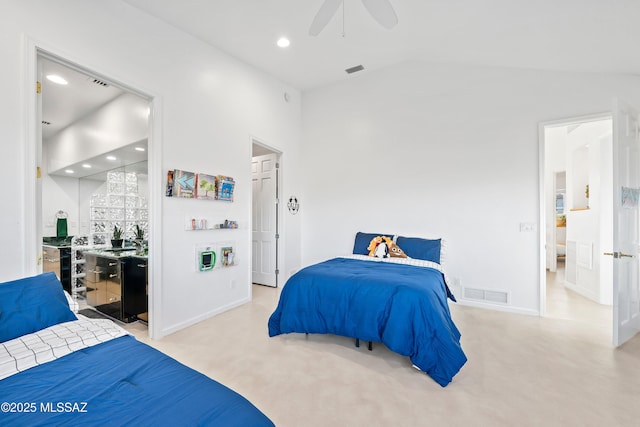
<point>116,282</point>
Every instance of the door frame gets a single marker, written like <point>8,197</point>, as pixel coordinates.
<point>542,255</point>
<point>279,226</point>
<point>31,231</point>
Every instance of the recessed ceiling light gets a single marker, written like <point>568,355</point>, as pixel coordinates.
<point>111,157</point>
<point>139,149</point>
<point>283,42</point>
<point>69,170</point>
<point>57,79</point>
<point>86,166</point>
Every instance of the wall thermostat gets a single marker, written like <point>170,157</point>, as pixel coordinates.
<point>207,260</point>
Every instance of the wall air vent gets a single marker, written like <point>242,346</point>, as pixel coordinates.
<point>44,122</point>
<point>486,295</point>
<point>98,82</point>
<point>354,69</point>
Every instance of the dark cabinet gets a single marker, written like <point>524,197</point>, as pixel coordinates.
<point>116,287</point>
<point>134,283</point>
<point>58,260</point>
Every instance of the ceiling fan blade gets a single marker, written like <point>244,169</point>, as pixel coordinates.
<point>382,11</point>
<point>324,15</point>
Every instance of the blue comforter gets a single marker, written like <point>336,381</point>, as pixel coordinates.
<point>121,382</point>
<point>403,306</point>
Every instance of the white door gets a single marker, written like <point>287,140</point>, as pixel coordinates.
<point>626,227</point>
<point>264,170</point>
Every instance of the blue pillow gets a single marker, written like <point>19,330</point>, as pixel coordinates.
<point>30,304</point>
<point>362,242</point>
<point>424,249</point>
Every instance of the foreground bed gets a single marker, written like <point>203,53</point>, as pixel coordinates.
<point>90,372</point>
<point>399,302</point>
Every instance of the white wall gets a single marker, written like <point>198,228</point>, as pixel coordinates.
<point>434,150</point>
<point>207,106</point>
<point>61,195</point>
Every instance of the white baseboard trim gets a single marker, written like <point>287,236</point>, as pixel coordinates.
<point>197,319</point>
<point>498,307</point>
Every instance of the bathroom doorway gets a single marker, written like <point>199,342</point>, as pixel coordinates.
<point>91,128</point>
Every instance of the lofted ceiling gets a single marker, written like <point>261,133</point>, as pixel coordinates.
<point>567,35</point>
<point>597,36</point>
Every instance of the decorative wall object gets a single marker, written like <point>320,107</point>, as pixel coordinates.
<point>293,205</point>
<point>224,187</point>
<point>184,184</point>
<point>630,197</point>
<point>205,186</point>
<point>199,185</point>
<point>227,256</point>
<point>169,192</point>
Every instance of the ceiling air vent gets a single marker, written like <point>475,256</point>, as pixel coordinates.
<point>354,69</point>
<point>98,82</point>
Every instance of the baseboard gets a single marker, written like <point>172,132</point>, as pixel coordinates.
<point>197,319</point>
<point>498,307</point>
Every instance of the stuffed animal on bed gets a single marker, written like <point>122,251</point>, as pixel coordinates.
<point>384,247</point>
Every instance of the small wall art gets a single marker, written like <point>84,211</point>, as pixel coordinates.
<point>225,186</point>
<point>293,205</point>
<point>185,184</point>
<point>205,186</point>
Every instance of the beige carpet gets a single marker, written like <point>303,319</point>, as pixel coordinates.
<point>560,370</point>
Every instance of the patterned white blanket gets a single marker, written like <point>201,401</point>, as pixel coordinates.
<point>51,343</point>
<point>407,261</point>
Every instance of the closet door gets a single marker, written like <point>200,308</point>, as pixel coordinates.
<point>264,239</point>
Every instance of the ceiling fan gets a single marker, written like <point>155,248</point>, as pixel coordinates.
<point>380,10</point>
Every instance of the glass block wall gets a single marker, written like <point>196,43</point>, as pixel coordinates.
<point>121,206</point>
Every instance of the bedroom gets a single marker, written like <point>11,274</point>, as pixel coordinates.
<point>471,133</point>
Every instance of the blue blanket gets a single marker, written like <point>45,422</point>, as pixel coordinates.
<point>121,382</point>
<point>403,306</point>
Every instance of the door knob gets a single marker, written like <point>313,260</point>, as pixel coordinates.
<point>618,254</point>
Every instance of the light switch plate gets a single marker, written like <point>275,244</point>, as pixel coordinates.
<point>527,227</point>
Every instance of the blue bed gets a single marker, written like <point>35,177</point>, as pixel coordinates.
<point>117,382</point>
<point>401,305</point>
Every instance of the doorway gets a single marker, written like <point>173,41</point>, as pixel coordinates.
<point>92,131</point>
<point>265,214</point>
<point>577,217</point>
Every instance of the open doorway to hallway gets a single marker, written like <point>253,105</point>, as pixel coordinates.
<point>265,217</point>
<point>578,220</point>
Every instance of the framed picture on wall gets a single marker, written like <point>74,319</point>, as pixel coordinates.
<point>225,186</point>
<point>205,186</point>
<point>184,184</point>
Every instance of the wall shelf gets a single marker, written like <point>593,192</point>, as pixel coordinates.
<point>204,224</point>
